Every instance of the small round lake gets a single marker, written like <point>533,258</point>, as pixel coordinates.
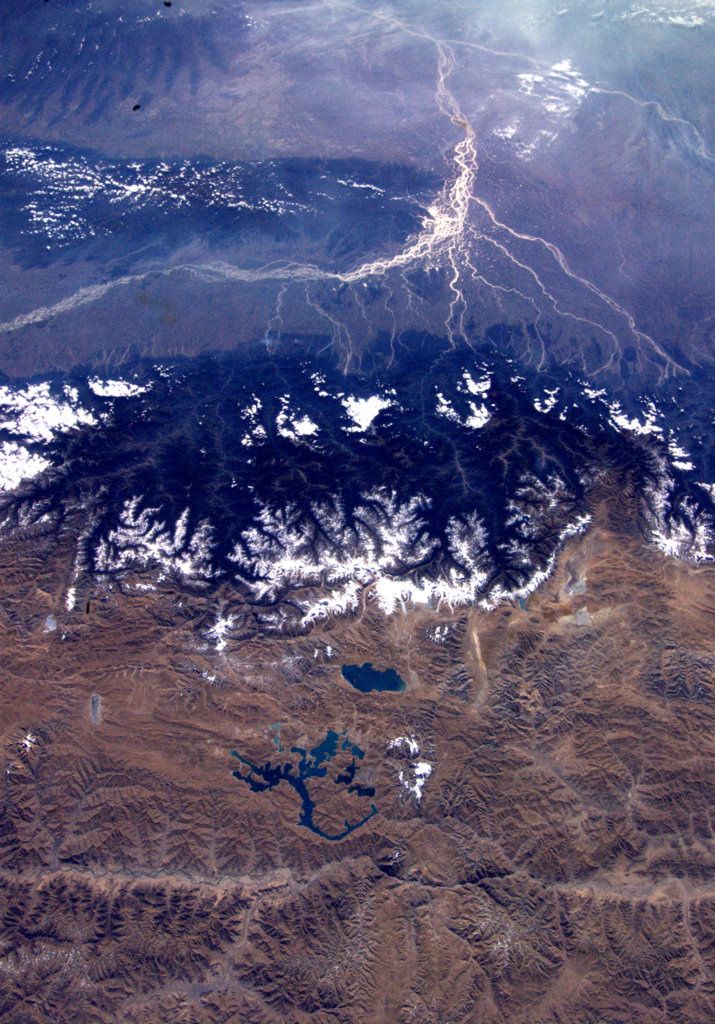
<point>365,678</point>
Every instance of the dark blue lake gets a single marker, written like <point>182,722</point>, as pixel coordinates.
<point>365,678</point>
<point>313,764</point>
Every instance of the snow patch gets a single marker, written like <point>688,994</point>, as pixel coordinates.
<point>648,425</point>
<point>410,742</point>
<point>415,775</point>
<point>18,464</point>
<point>440,633</point>
<point>116,388</point>
<point>141,538</point>
<point>681,530</point>
<point>546,403</point>
<point>420,772</point>
<point>35,414</point>
<point>293,427</point>
<point>478,414</point>
<point>218,632</point>
<point>363,411</point>
<point>256,432</point>
<point>508,131</point>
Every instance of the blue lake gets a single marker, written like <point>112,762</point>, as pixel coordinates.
<point>365,678</point>
<point>312,764</point>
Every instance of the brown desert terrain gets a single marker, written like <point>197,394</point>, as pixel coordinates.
<point>555,863</point>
